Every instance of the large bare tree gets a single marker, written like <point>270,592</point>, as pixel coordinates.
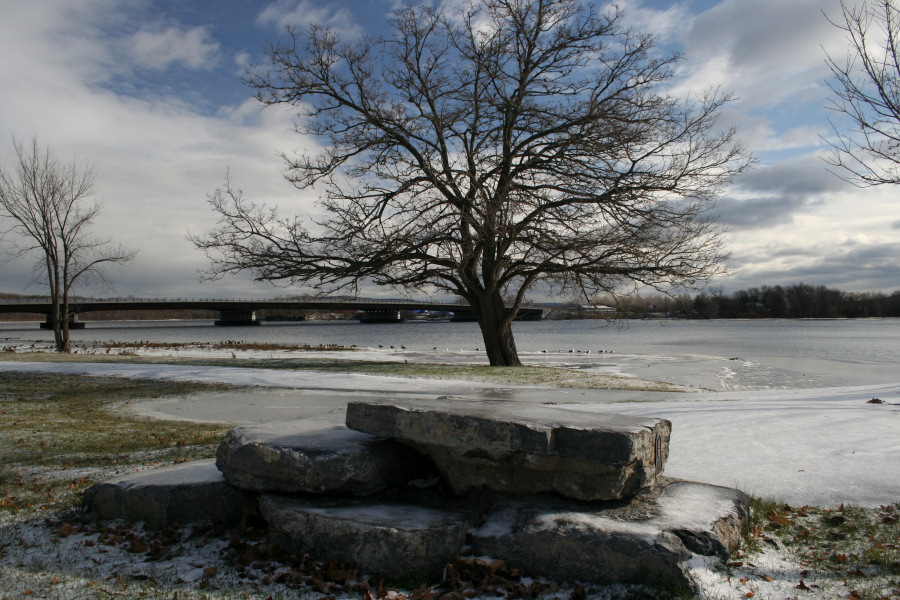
<point>45,205</point>
<point>866,93</point>
<point>520,143</point>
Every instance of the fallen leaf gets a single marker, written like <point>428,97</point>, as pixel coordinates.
<point>66,529</point>
<point>492,564</point>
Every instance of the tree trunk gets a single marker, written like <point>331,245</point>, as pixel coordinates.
<point>64,344</point>
<point>61,325</point>
<point>496,329</point>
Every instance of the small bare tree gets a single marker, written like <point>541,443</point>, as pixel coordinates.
<point>866,89</point>
<point>522,142</point>
<point>45,205</point>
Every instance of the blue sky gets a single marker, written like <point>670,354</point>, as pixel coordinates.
<point>150,93</point>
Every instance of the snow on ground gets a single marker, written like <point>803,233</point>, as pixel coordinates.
<point>823,447</point>
<point>820,447</point>
<point>815,446</point>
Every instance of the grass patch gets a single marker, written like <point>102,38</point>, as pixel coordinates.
<point>850,550</point>
<point>58,436</point>
<point>525,375</point>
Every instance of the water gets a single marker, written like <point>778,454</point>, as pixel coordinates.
<point>718,354</point>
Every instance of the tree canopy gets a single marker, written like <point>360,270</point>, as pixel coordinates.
<point>866,93</point>
<point>520,143</point>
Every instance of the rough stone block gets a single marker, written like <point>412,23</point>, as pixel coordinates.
<point>644,540</point>
<point>296,456</point>
<point>517,448</point>
<point>381,538</point>
<point>183,493</point>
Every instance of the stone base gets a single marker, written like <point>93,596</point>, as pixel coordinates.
<point>383,538</point>
<point>298,456</point>
<point>561,494</point>
<point>516,449</point>
<point>646,539</point>
<point>184,493</point>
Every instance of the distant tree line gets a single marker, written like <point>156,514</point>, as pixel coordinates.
<point>798,301</point>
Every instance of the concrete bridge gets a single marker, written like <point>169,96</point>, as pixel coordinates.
<point>243,311</point>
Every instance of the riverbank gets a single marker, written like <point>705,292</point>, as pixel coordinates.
<point>716,355</point>
<point>55,554</point>
<point>817,445</point>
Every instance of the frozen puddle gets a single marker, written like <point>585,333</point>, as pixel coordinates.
<point>247,405</point>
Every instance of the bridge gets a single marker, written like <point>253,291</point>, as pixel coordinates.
<point>243,311</point>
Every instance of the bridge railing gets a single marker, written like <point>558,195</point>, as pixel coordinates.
<point>322,300</point>
<point>358,302</point>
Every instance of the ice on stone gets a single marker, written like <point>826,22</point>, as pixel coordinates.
<point>513,448</point>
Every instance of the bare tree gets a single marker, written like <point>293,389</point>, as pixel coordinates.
<point>866,89</point>
<point>45,205</point>
<point>522,143</point>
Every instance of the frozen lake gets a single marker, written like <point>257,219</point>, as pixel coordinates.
<point>718,354</point>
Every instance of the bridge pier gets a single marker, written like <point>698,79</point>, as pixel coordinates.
<point>237,318</point>
<point>380,316</point>
<point>74,323</point>
<point>463,316</point>
<point>529,314</point>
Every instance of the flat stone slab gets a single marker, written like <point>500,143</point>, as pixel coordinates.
<point>645,540</point>
<point>299,456</point>
<point>381,538</point>
<point>183,493</point>
<point>517,448</point>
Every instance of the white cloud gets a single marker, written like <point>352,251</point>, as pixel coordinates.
<point>665,25</point>
<point>66,77</point>
<point>157,47</point>
<point>157,156</point>
<point>768,51</point>
<point>242,63</point>
<point>838,236</point>
<point>285,13</point>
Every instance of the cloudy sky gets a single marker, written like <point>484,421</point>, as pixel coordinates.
<point>149,92</point>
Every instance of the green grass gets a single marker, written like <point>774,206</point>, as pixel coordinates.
<point>525,375</point>
<point>851,549</point>
<point>58,435</point>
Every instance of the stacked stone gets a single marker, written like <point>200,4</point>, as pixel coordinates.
<point>561,493</point>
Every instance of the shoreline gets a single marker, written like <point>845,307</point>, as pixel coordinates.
<point>773,562</point>
<point>804,446</point>
<point>678,368</point>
